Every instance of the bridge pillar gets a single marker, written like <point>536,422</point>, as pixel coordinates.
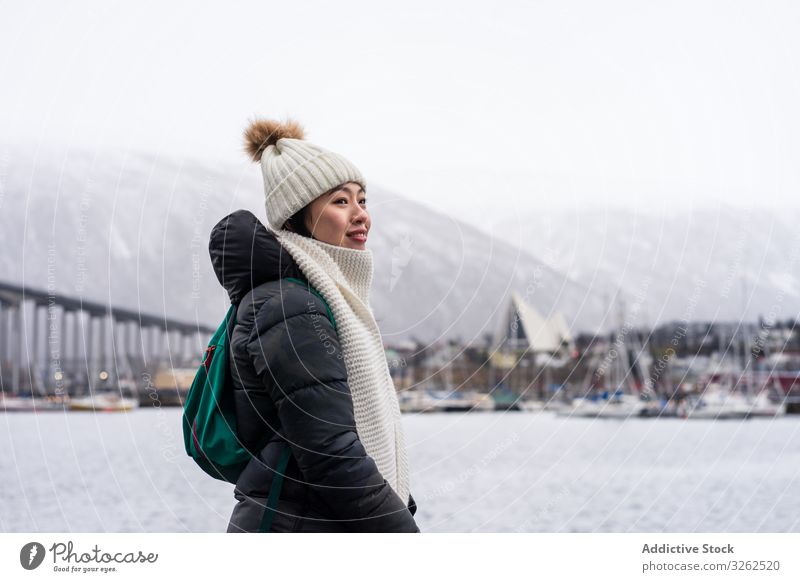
<point>189,349</point>
<point>135,348</point>
<point>5,361</point>
<point>91,353</point>
<point>34,362</point>
<point>173,349</point>
<point>157,347</point>
<point>77,364</point>
<point>15,343</point>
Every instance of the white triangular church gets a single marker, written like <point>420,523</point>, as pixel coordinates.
<point>524,328</point>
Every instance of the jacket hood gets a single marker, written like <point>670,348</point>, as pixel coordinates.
<point>245,255</point>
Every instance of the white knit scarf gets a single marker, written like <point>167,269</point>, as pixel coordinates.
<point>343,277</point>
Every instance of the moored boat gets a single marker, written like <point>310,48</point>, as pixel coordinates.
<point>104,402</point>
<point>12,403</point>
<point>715,403</point>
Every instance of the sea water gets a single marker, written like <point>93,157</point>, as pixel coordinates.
<point>473,472</point>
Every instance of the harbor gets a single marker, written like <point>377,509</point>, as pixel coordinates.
<point>82,356</point>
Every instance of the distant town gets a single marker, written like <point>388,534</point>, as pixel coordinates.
<point>59,353</point>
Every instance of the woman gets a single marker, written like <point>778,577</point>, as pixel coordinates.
<point>307,359</point>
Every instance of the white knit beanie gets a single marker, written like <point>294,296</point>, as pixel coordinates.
<point>295,171</point>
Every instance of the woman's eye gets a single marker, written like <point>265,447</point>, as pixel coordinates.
<point>344,200</point>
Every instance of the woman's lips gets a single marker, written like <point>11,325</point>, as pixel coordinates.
<point>359,236</point>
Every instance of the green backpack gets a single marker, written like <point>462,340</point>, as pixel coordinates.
<point>209,416</point>
<point>209,419</point>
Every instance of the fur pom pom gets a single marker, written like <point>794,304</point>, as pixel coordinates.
<point>263,133</point>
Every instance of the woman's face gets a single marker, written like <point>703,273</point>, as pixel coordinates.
<point>340,217</point>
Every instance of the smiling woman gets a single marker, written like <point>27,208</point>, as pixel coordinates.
<point>338,217</point>
<point>315,404</point>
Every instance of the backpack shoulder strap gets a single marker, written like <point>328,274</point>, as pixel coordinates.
<point>318,294</point>
<point>275,490</point>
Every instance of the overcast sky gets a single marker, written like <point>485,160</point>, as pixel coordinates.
<point>485,110</point>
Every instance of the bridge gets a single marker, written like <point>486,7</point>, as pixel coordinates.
<point>53,344</point>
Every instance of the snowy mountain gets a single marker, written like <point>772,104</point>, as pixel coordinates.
<point>707,263</point>
<point>132,230</point>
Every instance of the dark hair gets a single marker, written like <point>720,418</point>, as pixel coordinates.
<point>297,222</point>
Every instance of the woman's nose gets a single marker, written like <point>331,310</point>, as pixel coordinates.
<point>361,215</point>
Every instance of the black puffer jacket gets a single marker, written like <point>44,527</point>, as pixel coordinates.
<point>291,386</point>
